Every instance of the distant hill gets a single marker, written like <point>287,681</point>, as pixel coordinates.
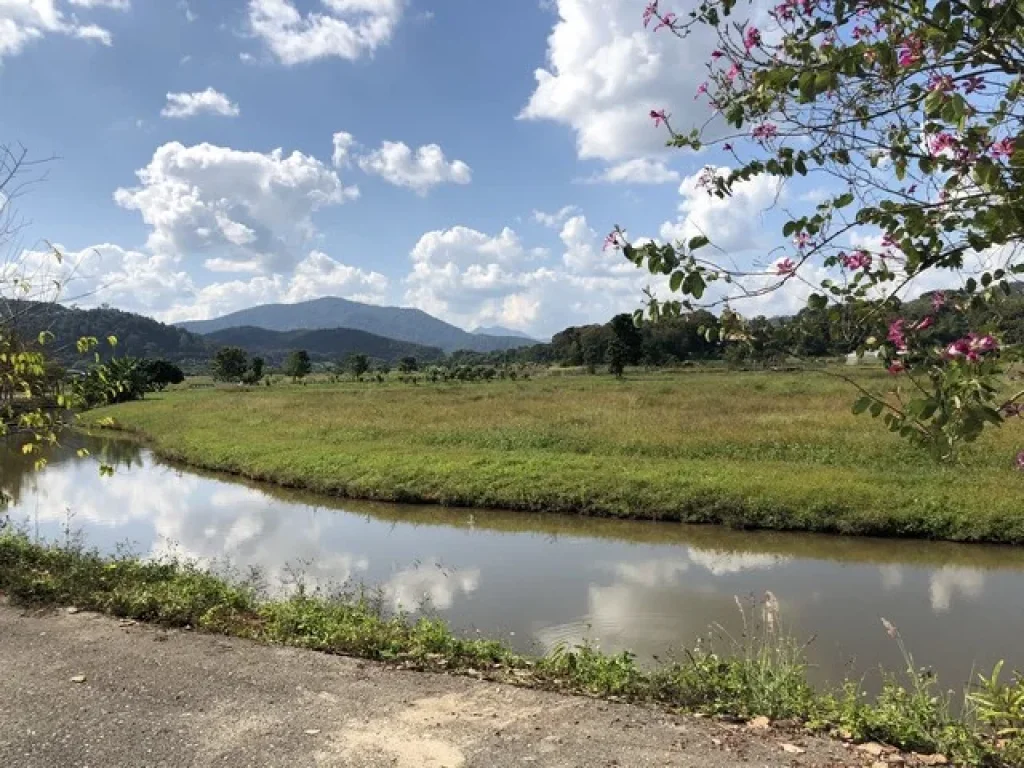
<point>500,330</point>
<point>412,325</point>
<point>331,344</point>
<point>137,336</point>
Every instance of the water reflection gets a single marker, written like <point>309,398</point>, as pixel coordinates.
<point>540,580</point>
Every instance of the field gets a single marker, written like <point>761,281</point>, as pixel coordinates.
<point>757,450</point>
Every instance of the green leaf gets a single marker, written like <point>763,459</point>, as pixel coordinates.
<point>697,242</point>
<point>817,301</point>
<point>876,408</point>
<point>675,281</point>
<point>862,404</point>
<point>843,200</point>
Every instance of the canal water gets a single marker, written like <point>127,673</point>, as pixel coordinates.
<point>537,580</point>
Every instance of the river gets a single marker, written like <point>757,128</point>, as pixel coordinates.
<point>536,580</point>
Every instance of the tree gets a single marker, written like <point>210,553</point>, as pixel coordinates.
<point>407,365</point>
<point>628,335</point>
<point>230,364</point>
<point>298,365</point>
<point>162,374</point>
<point>255,372</point>
<point>914,111</point>
<point>358,364</point>
<point>615,356</point>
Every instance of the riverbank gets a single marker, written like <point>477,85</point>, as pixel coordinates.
<point>749,450</point>
<point>763,676</point>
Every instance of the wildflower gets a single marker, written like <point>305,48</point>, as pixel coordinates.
<point>701,90</point>
<point>854,261</point>
<point>897,368</point>
<point>650,12</point>
<point>802,240</point>
<point>910,52</point>
<point>784,11</point>
<point>734,71</point>
<point>974,83</point>
<point>897,335</point>
<point>668,20</point>
<point>659,117</point>
<point>983,344</point>
<point>765,131</point>
<point>612,241</point>
<point>785,267</point>
<point>938,300</point>
<point>925,323</point>
<point>940,83</point>
<point>1003,148</point>
<point>751,38</point>
<point>941,142</point>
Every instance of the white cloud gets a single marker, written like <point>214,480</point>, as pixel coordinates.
<point>237,206</point>
<point>419,171</point>
<point>180,105</point>
<point>347,29</point>
<point>343,144</point>
<point>115,5</point>
<point>605,73</point>
<point>557,218</point>
<point>640,170</point>
<point>25,21</point>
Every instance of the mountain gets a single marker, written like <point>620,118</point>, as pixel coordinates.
<point>400,323</point>
<point>332,344</point>
<point>500,330</point>
<point>137,336</point>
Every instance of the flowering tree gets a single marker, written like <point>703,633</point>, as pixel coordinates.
<point>913,109</point>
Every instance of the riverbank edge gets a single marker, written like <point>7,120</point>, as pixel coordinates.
<point>765,679</point>
<point>739,513</point>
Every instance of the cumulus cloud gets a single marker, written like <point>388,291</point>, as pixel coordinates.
<point>210,101</point>
<point>419,171</point>
<point>237,206</point>
<point>556,218</point>
<point>343,145</point>
<point>605,73</point>
<point>640,170</point>
<point>347,29</point>
<point>25,21</point>
<point>115,5</point>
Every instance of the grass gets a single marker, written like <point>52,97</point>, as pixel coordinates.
<point>761,673</point>
<point>750,450</point>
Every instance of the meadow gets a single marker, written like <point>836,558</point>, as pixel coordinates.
<point>753,450</point>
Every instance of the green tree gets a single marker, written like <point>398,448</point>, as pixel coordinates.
<point>298,364</point>
<point>915,112</point>
<point>628,335</point>
<point>358,364</point>
<point>407,365</point>
<point>161,374</point>
<point>615,356</point>
<point>230,364</point>
<point>255,372</point>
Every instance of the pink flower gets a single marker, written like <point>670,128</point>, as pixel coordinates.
<point>1020,461</point>
<point>974,83</point>
<point>941,142</point>
<point>612,241</point>
<point>659,117</point>
<point>910,52</point>
<point>650,12</point>
<point>784,11</point>
<point>701,90</point>
<point>888,241</point>
<point>668,20</point>
<point>1003,148</point>
<point>941,83</point>
<point>938,300</point>
<point>734,70</point>
<point>854,261</point>
<point>751,38</point>
<point>983,344</point>
<point>897,335</point>
<point>896,368</point>
<point>785,267</point>
<point>925,323</point>
<point>802,240</point>
<point>765,131</point>
<point>859,32</point>
<point>956,350</point>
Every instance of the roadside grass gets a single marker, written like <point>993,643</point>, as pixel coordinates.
<point>749,450</point>
<point>761,673</point>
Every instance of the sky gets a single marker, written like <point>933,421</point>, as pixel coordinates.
<point>462,157</point>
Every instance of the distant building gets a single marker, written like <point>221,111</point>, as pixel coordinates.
<point>853,359</point>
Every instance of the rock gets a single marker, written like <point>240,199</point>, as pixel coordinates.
<point>312,731</point>
<point>759,724</point>
<point>932,759</point>
<point>873,748</point>
<point>72,610</point>
<point>793,749</point>
<point>78,679</point>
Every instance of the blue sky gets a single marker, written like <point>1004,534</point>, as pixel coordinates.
<point>493,146</point>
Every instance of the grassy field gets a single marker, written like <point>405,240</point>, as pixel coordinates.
<point>764,450</point>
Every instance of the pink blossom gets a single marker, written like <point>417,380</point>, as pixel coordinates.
<point>1002,148</point>
<point>668,20</point>
<point>938,300</point>
<point>785,267</point>
<point>974,83</point>
<point>659,117</point>
<point>701,90</point>
<point>751,38</point>
<point>941,142</point>
<point>897,368</point>
<point>734,70</point>
<point>859,32</point>
<point>650,12</point>
<point>612,241</point>
<point>802,240</point>
<point>941,83</point>
<point>765,131</point>
<point>897,335</point>
<point>1020,461</point>
<point>784,11</point>
<point>888,241</point>
<point>958,349</point>
<point>927,322</point>
<point>854,261</point>
<point>983,344</point>
<point>910,52</point>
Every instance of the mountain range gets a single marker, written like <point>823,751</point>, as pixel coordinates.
<point>401,323</point>
<point>328,344</point>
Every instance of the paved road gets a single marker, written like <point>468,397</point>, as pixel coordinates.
<point>80,690</point>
